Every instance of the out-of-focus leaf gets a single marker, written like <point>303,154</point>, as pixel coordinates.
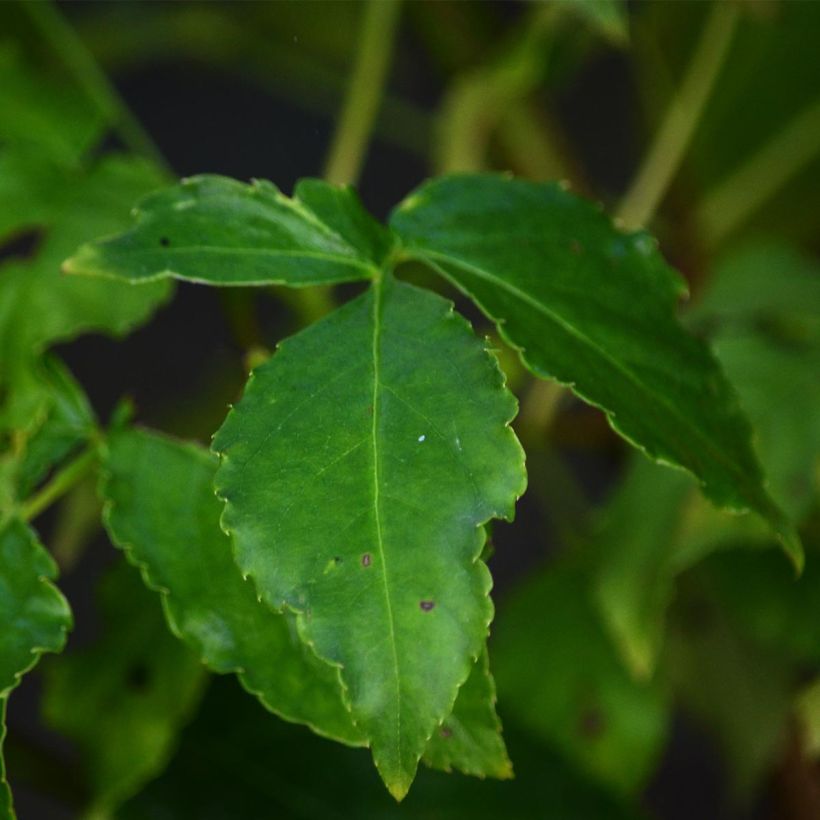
<point>393,409</point>
<point>739,690</point>
<point>235,763</point>
<point>765,602</point>
<point>218,231</point>
<point>39,306</point>
<point>125,697</point>
<point>68,422</point>
<point>593,308</point>
<point>760,282</point>
<point>56,120</point>
<point>807,709</point>
<point>655,526</point>
<point>608,17</point>
<point>559,674</point>
<point>34,615</point>
<point>779,386</point>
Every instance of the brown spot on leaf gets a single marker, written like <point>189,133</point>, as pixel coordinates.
<point>366,559</point>
<point>446,732</point>
<point>592,723</point>
<point>427,605</point>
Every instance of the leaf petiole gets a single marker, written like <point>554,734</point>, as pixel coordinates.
<point>62,482</point>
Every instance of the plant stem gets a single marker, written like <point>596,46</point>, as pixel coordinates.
<point>685,109</point>
<point>62,482</point>
<point>746,189</point>
<point>364,93</point>
<point>92,79</point>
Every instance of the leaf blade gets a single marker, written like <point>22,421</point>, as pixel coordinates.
<point>593,309</point>
<point>389,438</point>
<point>35,614</point>
<point>224,623</point>
<point>214,230</point>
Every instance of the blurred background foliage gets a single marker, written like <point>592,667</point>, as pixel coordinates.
<point>654,657</point>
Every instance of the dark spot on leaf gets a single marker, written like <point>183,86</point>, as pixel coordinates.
<point>446,732</point>
<point>164,241</point>
<point>427,605</point>
<point>24,245</point>
<point>137,677</point>
<point>592,724</point>
<point>366,559</point>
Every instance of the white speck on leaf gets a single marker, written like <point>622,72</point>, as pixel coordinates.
<point>421,438</point>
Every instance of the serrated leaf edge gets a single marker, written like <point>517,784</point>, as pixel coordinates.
<point>399,791</point>
<point>108,507</point>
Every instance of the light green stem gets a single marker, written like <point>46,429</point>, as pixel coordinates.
<point>62,482</point>
<point>684,112</point>
<point>734,200</point>
<point>364,93</point>
<point>91,78</point>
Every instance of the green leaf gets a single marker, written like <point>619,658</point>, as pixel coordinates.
<point>52,118</point>
<point>39,307</point>
<point>218,231</point>
<point>125,697</point>
<point>67,422</point>
<point>470,738</point>
<point>34,614</point>
<point>559,674</point>
<point>593,308</point>
<point>765,604</point>
<point>740,691</point>
<point>762,281</point>
<point>655,526</point>
<point>171,532</point>
<point>357,471</point>
<point>779,386</point>
<point>225,623</point>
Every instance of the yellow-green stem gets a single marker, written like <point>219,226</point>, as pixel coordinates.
<point>735,199</point>
<point>354,127</point>
<point>685,109</point>
<point>62,482</point>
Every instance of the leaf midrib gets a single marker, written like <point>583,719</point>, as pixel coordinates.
<point>378,296</point>
<point>715,452</point>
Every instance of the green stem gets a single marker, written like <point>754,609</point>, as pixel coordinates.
<point>732,202</point>
<point>62,482</point>
<point>92,79</point>
<point>684,112</point>
<point>364,94</point>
